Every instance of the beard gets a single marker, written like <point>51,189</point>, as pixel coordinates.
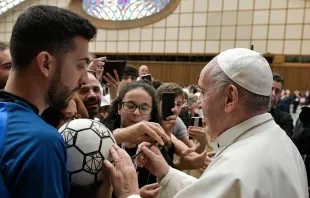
<point>93,106</point>
<point>59,94</point>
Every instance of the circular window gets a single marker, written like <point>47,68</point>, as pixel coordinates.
<point>123,14</point>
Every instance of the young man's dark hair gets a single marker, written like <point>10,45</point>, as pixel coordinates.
<point>49,48</point>
<point>168,87</point>
<point>46,28</point>
<point>131,71</point>
<point>278,78</point>
<point>157,83</point>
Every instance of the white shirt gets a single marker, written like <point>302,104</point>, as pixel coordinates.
<point>264,163</point>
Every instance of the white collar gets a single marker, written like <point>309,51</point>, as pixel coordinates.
<point>231,134</point>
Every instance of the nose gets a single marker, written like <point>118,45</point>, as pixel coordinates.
<point>175,107</point>
<point>91,94</point>
<point>136,112</point>
<point>273,92</point>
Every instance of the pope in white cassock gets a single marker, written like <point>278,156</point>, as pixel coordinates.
<point>255,157</point>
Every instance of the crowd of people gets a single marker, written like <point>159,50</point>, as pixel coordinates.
<point>245,147</point>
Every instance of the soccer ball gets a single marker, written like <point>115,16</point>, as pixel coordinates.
<point>88,143</point>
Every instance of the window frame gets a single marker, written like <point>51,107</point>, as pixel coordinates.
<point>76,6</point>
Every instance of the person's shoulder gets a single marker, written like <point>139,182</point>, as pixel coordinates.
<point>23,122</point>
<point>179,125</point>
<point>284,115</point>
<point>179,121</point>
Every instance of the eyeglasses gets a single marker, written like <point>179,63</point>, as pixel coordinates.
<point>131,107</point>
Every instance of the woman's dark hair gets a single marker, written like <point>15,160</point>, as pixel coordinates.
<point>51,116</point>
<point>113,114</point>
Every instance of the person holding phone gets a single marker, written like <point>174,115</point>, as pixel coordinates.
<point>143,70</point>
<point>136,104</point>
<point>130,75</point>
<point>179,130</point>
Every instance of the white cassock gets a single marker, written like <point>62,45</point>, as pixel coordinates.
<point>261,163</point>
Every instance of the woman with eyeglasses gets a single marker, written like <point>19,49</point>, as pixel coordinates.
<point>136,103</point>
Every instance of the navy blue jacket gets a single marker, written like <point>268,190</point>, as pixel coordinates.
<point>32,153</point>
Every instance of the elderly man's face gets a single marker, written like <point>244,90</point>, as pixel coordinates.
<point>212,103</point>
<point>143,70</point>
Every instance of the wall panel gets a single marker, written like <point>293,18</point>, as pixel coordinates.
<point>182,73</point>
<point>296,76</point>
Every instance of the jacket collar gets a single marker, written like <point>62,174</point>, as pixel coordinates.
<point>231,134</point>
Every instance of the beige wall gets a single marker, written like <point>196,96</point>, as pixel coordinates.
<point>205,26</point>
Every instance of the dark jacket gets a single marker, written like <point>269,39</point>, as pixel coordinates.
<point>301,138</point>
<point>284,120</point>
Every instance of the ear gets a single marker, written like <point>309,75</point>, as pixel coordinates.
<point>232,98</point>
<point>44,62</point>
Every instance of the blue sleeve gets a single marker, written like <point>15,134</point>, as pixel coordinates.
<point>33,164</point>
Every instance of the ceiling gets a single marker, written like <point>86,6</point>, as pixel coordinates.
<point>7,5</point>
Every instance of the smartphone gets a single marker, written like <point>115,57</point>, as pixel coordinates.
<point>147,77</point>
<point>110,66</point>
<point>190,101</point>
<point>195,121</point>
<point>167,104</point>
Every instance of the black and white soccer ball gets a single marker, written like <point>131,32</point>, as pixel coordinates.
<point>88,143</point>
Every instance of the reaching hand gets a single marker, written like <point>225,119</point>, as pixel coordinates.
<point>150,191</point>
<point>169,124</point>
<point>197,161</point>
<point>210,156</point>
<point>141,132</point>
<point>123,174</point>
<point>199,134</point>
<point>96,66</point>
<point>112,84</point>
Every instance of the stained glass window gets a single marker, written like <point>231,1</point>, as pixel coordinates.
<point>5,5</point>
<point>122,10</point>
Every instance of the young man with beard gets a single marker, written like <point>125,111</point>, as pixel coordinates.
<point>49,48</point>
<point>5,63</point>
<point>283,119</point>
